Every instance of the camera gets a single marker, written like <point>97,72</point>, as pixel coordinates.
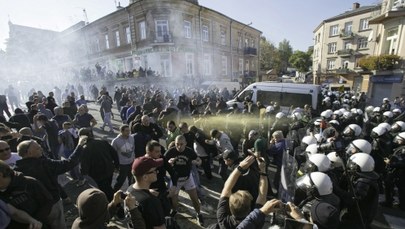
<point>336,146</point>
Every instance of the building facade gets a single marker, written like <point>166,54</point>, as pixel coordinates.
<point>339,42</point>
<point>178,39</point>
<point>390,39</point>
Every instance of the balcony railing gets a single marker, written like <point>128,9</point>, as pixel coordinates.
<point>167,38</point>
<point>249,74</point>
<point>345,52</point>
<point>250,51</point>
<point>346,35</point>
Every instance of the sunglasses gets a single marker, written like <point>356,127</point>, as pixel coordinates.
<point>4,150</point>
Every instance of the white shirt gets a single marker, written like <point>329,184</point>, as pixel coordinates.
<point>12,160</point>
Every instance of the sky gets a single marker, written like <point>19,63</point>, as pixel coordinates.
<point>293,20</point>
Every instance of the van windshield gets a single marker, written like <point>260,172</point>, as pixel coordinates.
<point>295,100</point>
<point>266,97</point>
<point>241,97</point>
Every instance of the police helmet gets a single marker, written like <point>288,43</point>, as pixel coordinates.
<point>335,161</point>
<point>269,109</point>
<point>321,161</point>
<point>280,115</point>
<point>360,162</point>
<point>385,125</point>
<point>400,136</point>
<point>398,126</point>
<point>359,146</point>
<point>315,184</point>
<point>352,130</point>
<point>388,114</point>
<point>296,116</point>
<point>378,131</point>
<point>312,149</point>
<point>308,140</point>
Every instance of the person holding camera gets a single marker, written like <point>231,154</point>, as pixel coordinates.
<point>95,211</point>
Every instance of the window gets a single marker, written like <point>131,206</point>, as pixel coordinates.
<point>207,64</point>
<point>162,30</point>
<point>348,28</point>
<point>224,65</point>
<point>362,43</point>
<point>187,29</point>
<point>334,30</point>
<point>240,66</point>
<point>364,24</point>
<point>392,41</point>
<point>347,45</point>
<point>223,37</point>
<point>247,93</point>
<point>332,48</point>
<point>240,41</point>
<point>128,34</point>
<point>107,42</point>
<point>330,64</point>
<point>165,65</point>
<point>142,30</point>
<point>205,33</point>
<point>247,65</point>
<point>189,64</point>
<point>117,38</point>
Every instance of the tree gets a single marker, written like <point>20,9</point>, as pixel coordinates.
<point>301,61</point>
<point>269,56</point>
<point>285,51</point>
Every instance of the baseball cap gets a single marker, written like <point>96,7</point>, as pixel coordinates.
<point>143,164</point>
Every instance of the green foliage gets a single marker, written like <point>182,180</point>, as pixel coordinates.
<point>301,60</point>
<point>275,58</point>
<point>382,62</point>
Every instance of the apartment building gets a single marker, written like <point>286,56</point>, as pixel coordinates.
<point>390,39</point>
<point>179,39</point>
<point>339,42</point>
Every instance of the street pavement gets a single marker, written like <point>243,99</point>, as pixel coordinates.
<point>386,218</point>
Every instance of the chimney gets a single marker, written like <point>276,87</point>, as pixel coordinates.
<point>356,5</point>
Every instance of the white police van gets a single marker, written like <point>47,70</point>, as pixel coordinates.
<point>285,94</point>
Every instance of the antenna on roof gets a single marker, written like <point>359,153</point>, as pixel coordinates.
<point>86,19</point>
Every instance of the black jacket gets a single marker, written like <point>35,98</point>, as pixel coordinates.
<point>99,160</point>
<point>47,170</point>
<point>29,195</point>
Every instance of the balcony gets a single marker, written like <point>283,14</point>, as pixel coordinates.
<point>343,71</point>
<point>250,51</point>
<point>163,40</point>
<point>388,15</point>
<point>346,35</point>
<point>345,52</point>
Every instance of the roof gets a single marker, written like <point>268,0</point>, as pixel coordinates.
<point>350,13</point>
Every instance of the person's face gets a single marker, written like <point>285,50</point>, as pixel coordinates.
<point>5,152</point>
<point>156,153</point>
<point>125,132</point>
<point>152,175</point>
<point>82,110</point>
<point>184,129</point>
<point>145,121</point>
<point>171,127</point>
<point>4,182</point>
<point>180,145</point>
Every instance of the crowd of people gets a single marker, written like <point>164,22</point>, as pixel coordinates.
<point>322,167</point>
